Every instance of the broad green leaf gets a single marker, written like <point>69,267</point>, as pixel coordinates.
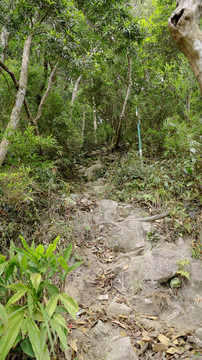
<point>2,259</point>
<point>34,337</point>
<point>16,297</point>
<point>17,287</point>
<point>2,267</point>
<point>24,262</point>
<point>175,282</point>
<point>67,252</point>
<point>30,253</point>
<point>8,339</point>
<point>60,332</point>
<point>30,302</point>
<point>70,304</point>
<point>27,347</point>
<point>10,269</point>
<point>76,265</point>
<point>35,280</point>
<point>53,289</point>
<point>46,320</point>
<point>60,320</point>
<point>46,355</point>
<point>184,273</point>
<point>52,247</point>
<point>51,305</point>
<point>63,263</point>
<point>3,316</point>
<point>39,251</point>
<point>37,315</point>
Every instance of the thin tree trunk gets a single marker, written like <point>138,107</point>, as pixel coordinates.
<point>20,96</point>
<point>184,27</point>
<point>121,117</point>
<point>94,115</point>
<point>83,124</point>
<point>4,41</point>
<point>74,94</point>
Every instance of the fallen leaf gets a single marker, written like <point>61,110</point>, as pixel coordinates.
<point>73,344</point>
<point>150,317</point>
<point>123,316</point>
<point>123,333</point>
<point>163,339</point>
<point>173,350</point>
<point>118,323</point>
<point>84,330</point>
<point>125,267</point>
<point>159,347</point>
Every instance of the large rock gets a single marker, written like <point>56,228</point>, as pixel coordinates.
<point>91,172</point>
<point>119,349</point>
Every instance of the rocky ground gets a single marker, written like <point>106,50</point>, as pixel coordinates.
<point>135,300</point>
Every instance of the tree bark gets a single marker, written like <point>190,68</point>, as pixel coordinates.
<point>121,118</point>
<point>20,96</point>
<point>4,41</point>
<point>94,115</point>
<point>184,27</point>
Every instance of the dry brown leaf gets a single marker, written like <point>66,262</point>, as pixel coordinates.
<point>73,345</point>
<point>173,350</point>
<point>125,267</point>
<point>118,323</point>
<point>159,347</point>
<point>123,316</point>
<point>123,333</point>
<point>176,342</point>
<point>83,329</point>
<point>150,317</point>
<point>178,335</point>
<point>163,339</point>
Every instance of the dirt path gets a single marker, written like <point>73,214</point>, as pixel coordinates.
<point>128,306</point>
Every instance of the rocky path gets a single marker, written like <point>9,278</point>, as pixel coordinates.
<point>130,304</point>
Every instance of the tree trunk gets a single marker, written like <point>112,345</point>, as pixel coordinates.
<point>184,27</point>
<point>121,118</point>
<point>4,41</point>
<point>83,125</point>
<point>94,115</point>
<point>74,94</point>
<point>20,96</point>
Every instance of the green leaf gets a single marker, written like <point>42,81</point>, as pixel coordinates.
<point>184,273</point>
<point>2,259</point>
<point>175,283</point>
<point>39,251</point>
<point>52,247</point>
<point>2,267</point>
<point>67,252</point>
<point>63,263</point>
<point>8,339</point>
<point>77,264</point>
<point>10,269</point>
<point>17,287</point>
<point>51,305</point>
<point>53,289</point>
<point>27,347</point>
<point>35,280</point>
<point>30,302</point>
<point>70,304</point>
<point>30,253</point>
<point>34,337</point>
<point>60,332</point>
<point>46,319</point>
<point>24,262</point>
<point>16,297</point>
<point>3,316</point>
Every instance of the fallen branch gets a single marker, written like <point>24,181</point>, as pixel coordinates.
<point>154,217</point>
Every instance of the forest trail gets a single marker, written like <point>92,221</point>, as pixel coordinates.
<point>127,289</point>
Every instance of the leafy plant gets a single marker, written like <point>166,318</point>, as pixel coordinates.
<point>181,271</point>
<point>31,317</point>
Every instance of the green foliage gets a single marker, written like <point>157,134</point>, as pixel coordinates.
<point>181,271</point>
<point>33,303</point>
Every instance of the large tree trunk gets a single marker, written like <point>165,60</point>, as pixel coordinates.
<point>20,96</point>
<point>4,41</point>
<point>121,117</point>
<point>74,95</point>
<point>184,27</point>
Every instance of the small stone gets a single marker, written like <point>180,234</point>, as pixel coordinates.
<point>100,329</point>
<point>118,309</point>
<point>103,297</point>
<point>121,349</point>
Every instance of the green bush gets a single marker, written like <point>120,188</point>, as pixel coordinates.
<point>31,318</point>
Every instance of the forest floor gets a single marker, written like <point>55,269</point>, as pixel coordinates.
<point>133,291</point>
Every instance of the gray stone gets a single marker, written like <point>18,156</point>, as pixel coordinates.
<point>90,172</point>
<point>101,329</point>
<point>116,308</point>
<point>198,334</point>
<point>195,340</point>
<point>120,349</point>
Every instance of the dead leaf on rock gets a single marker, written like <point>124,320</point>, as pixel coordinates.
<point>125,267</point>
<point>150,317</point>
<point>119,324</point>
<point>123,333</point>
<point>159,347</point>
<point>83,329</point>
